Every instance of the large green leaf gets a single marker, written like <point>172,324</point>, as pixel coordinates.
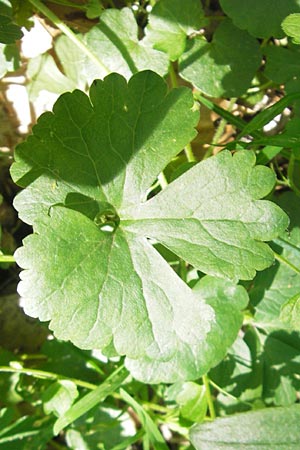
<point>170,24</point>
<point>223,67</point>
<point>262,18</point>
<point>272,428</point>
<point>90,265</point>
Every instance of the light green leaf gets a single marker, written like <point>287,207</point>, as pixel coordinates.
<point>192,401</point>
<point>115,41</point>
<point>9,32</point>
<point>224,67</point>
<point>170,24</point>
<point>271,428</point>
<point>262,18</point>
<point>58,397</point>
<point>120,52</point>
<point>290,312</point>
<point>291,27</point>
<point>86,403</point>
<point>87,169</point>
<point>278,284</point>
<point>45,76</point>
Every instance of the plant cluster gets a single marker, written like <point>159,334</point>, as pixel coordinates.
<point>159,216</point>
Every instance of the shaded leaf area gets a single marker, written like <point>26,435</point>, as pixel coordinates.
<point>278,284</point>
<point>262,18</point>
<point>9,32</point>
<point>87,168</point>
<point>23,433</point>
<point>259,370</point>
<point>275,428</point>
<point>169,25</point>
<point>102,425</point>
<point>282,64</point>
<point>114,41</point>
<point>223,67</point>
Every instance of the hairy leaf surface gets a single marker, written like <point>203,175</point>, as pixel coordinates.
<point>90,267</point>
<point>275,428</point>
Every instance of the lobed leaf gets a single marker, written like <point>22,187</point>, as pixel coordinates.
<point>90,267</point>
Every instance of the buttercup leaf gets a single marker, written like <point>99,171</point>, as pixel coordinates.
<point>90,267</point>
<point>252,15</point>
<point>223,67</point>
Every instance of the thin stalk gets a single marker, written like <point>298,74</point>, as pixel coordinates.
<point>47,376</point>
<point>189,153</point>
<point>219,131</point>
<point>227,394</point>
<point>286,262</point>
<point>7,259</point>
<point>209,399</point>
<point>291,169</point>
<point>173,76</point>
<point>68,32</point>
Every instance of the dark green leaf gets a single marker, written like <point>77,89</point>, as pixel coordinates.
<point>9,32</point>
<point>262,18</point>
<point>223,67</point>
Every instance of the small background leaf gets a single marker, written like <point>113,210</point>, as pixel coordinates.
<point>224,67</point>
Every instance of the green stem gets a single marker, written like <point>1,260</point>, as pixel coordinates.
<point>68,32</point>
<point>209,399</point>
<point>227,394</point>
<point>286,262</point>
<point>189,153</point>
<point>220,130</point>
<point>7,259</point>
<point>293,168</point>
<point>46,376</point>
<point>173,76</point>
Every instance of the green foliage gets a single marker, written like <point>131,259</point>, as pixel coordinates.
<point>270,428</point>
<point>262,18</point>
<point>291,27</point>
<point>233,65</point>
<point>163,248</point>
